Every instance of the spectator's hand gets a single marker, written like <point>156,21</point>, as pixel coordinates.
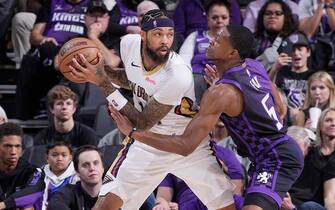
<point>162,205</point>
<point>83,70</point>
<point>211,74</point>
<point>284,60</point>
<point>49,39</point>
<point>287,203</point>
<point>308,123</point>
<point>133,29</point>
<point>122,122</point>
<point>95,30</point>
<point>173,206</point>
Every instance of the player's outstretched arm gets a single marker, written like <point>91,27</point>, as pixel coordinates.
<point>280,106</point>
<point>220,98</point>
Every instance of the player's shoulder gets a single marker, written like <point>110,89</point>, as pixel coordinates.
<point>176,63</point>
<point>177,68</point>
<point>131,39</point>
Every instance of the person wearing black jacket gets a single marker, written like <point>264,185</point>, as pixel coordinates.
<point>83,195</point>
<point>21,184</point>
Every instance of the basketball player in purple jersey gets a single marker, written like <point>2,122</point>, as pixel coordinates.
<point>245,100</point>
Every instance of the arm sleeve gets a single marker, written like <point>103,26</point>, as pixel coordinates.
<point>181,81</point>
<point>27,197</point>
<point>62,200</point>
<point>187,49</point>
<point>114,28</point>
<point>167,181</point>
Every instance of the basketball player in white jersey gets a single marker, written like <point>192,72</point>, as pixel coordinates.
<point>163,94</point>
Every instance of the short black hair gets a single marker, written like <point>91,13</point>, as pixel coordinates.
<point>82,149</point>
<point>54,144</point>
<point>153,15</point>
<point>8,129</point>
<point>241,39</point>
<point>210,3</point>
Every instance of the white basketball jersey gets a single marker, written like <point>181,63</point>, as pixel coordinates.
<point>171,84</point>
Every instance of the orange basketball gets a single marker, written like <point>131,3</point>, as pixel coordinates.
<point>73,48</point>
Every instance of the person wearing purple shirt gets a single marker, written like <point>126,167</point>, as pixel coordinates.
<point>183,195</point>
<point>251,108</point>
<point>190,16</point>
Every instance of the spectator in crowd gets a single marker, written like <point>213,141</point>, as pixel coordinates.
<point>321,93</point>
<point>275,22</point>
<point>88,164</point>
<point>174,189</point>
<point>59,171</point>
<point>62,103</point>
<point>317,21</point>
<point>253,8</point>
<point>190,16</point>
<point>315,188</point>
<point>22,24</point>
<point>96,22</point>
<point>290,72</point>
<point>56,22</point>
<point>123,20</point>
<point>21,183</point>
<point>194,48</point>
<point>143,8</point>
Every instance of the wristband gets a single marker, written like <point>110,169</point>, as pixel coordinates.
<point>117,100</point>
<point>131,132</point>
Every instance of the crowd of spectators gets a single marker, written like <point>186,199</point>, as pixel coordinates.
<point>295,41</point>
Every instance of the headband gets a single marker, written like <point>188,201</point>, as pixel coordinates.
<point>160,22</point>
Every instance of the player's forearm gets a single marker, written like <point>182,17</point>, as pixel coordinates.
<point>173,144</point>
<point>118,77</point>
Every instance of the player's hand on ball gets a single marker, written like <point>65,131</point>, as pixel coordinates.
<point>83,70</point>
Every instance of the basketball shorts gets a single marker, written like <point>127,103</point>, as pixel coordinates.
<point>139,169</point>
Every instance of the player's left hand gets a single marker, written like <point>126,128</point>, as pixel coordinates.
<point>83,70</point>
<point>173,206</point>
<point>211,74</point>
<point>121,121</point>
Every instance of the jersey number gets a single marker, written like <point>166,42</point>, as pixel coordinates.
<point>271,111</point>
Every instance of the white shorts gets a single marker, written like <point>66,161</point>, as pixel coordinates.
<point>139,169</point>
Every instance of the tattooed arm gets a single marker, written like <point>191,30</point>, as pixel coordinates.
<point>152,113</point>
<point>117,76</point>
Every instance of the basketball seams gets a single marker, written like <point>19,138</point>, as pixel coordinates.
<point>70,54</point>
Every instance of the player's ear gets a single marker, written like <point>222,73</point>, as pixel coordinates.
<point>142,33</point>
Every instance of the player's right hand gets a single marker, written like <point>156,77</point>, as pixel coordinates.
<point>83,70</point>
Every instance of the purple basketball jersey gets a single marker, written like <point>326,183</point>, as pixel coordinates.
<point>66,20</point>
<point>258,128</point>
